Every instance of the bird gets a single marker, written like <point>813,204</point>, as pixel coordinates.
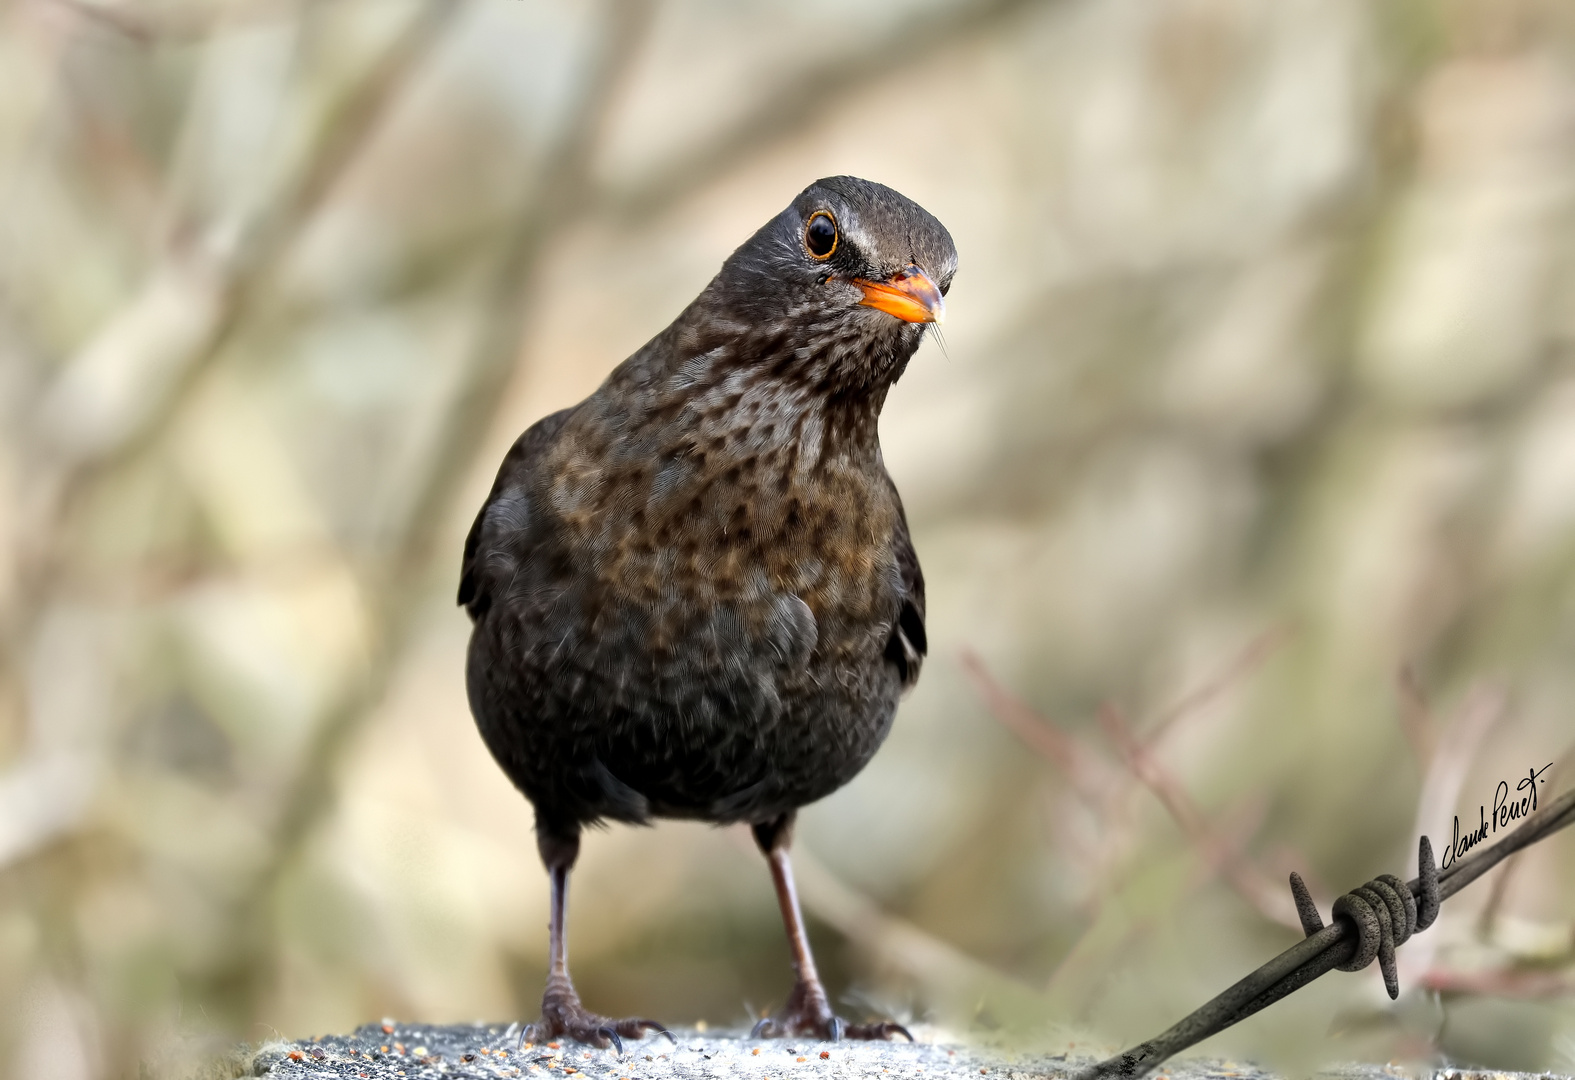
<point>694,594</point>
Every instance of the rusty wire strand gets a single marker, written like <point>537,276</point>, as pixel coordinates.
<point>1351,937</point>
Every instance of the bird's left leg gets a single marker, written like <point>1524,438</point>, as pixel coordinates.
<point>561,1011</point>
<point>807,1011</point>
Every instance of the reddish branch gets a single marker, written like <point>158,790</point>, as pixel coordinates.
<point>1089,772</point>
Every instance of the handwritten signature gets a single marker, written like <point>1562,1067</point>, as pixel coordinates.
<point>1505,810</point>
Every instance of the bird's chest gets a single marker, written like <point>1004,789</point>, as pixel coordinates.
<point>760,563</point>
<point>755,558</point>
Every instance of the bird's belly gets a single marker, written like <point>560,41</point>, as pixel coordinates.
<point>733,711</point>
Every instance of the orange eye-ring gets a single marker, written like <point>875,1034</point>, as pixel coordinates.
<point>820,235</point>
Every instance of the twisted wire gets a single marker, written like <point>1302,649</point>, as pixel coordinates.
<point>1384,912</point>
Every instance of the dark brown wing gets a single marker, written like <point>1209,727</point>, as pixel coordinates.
<point>908,644</point>
<point>505,505</point>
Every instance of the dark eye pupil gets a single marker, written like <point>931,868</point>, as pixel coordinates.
<point>822,235</point>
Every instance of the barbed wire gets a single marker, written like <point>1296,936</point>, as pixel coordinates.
<point>1368,923</point>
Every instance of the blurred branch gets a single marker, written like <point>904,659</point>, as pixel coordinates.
<point>1523,985</point>
<point>217,288</point>
<point>1088,773</point>
<point>1482,708</point>
<point>817,88</point>
<point>1477,713</point>
<point>399,584</point>
<point>1252,656</point>
<point>40,798</point>
<point>1222,856</point>
<point>1416,718</point>
<point>177,27</point>
<point>182,321</point>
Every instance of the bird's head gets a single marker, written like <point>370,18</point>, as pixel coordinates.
<point>841,285</point>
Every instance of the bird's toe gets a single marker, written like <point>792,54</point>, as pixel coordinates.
<point>565,1018</point>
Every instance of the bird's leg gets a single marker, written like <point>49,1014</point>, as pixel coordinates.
<point>561,1011</point>
<point>807,1011</point>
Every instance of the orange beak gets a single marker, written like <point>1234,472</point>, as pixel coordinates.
<point>909,294</point>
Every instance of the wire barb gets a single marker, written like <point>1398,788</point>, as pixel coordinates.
<point>1384,913</point>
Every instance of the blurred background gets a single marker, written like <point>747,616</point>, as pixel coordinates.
<point>1244,486</point>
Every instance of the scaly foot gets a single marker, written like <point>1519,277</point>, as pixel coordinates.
<point>807,1012</point>
<point>562,1015</point>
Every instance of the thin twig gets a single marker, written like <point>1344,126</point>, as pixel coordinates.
<point>1416,718</point>
<point>1088,773</point>
<point>1253,656</point>
<point>1091,775</point>
<point>1521,985</point>
<point>1223,857</point>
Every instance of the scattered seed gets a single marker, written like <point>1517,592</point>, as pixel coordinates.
<point>798,1059</point>
<point>755,1051</point>
<point>296,1055</point>
<point>825,1054</point>
<point>552,1046</point>
<point>388,1029</point>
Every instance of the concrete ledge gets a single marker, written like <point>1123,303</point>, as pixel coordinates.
<point>487,1052</point>
<point>416,1051</point>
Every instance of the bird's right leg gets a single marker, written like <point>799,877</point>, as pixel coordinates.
<point>561,1011</point>
<point>808,1011</point>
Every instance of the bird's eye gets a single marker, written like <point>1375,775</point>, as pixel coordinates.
<point>820,235</point>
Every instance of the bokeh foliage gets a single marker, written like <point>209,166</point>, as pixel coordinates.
<point>1258,385</point>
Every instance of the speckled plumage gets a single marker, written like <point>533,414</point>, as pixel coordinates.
<point>694,593</point>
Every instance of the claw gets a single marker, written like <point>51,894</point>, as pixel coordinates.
<point>834,1029</point>
<point>654,1026</point>
<point>608,1033</point>
<point>757,1032</point>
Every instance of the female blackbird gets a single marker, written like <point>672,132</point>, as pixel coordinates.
<point>694,594</point>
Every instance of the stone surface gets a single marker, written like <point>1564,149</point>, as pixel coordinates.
<point>416,1051</point>
<point>428,1052</point>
